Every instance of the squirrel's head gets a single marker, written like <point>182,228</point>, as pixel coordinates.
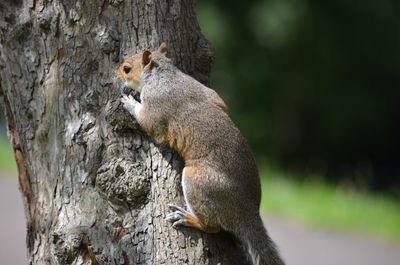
<point>130,70</point>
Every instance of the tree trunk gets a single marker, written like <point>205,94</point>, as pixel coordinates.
<point>95,187</point>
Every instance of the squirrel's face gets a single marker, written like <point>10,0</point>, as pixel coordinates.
<point>129,71</point>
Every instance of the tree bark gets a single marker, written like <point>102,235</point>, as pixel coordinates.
<point>95,187</point>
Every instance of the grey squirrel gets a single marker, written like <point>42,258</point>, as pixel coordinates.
<point>220,180</point>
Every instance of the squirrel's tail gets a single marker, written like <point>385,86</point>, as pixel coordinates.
<point>259,245</point>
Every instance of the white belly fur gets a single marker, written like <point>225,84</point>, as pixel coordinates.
<point>185,191</point>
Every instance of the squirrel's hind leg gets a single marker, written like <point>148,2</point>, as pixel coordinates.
<point>182,217</point>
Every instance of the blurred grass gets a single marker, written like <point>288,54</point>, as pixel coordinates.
<point>313,203</point>
<point>7,162</point>
<point>324,206</point>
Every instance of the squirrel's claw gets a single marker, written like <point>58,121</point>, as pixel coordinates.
<point>127,99</point>
<point>174,216</point>
<point>178,216</point>
<point>129,103</point>
<point>180,222</point>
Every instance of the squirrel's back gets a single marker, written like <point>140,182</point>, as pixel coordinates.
<point>198,127</point>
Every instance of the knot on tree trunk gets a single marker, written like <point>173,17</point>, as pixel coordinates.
<point>123,181</point>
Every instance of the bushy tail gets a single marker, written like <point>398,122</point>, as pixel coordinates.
<point>259,245</point>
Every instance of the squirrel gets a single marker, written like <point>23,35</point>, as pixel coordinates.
<point>220,180</point>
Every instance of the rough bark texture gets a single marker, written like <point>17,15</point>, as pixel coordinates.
<point>95,188</point>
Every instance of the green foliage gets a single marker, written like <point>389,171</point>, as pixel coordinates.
<point>326,206</point>
<point>7,161</point>
<point>313,84</point>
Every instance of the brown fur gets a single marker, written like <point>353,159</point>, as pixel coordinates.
<point>220,180</point>
<point>132,79</point>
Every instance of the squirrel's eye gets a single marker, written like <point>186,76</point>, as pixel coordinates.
<point>127,69</point>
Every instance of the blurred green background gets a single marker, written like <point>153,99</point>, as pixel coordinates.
<point>7,162</point>
<point>313,85</point>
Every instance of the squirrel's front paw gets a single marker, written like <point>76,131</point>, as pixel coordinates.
<point>129,103</point>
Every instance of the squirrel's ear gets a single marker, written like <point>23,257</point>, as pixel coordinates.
<point>146,58</point>
<point>163,48</point>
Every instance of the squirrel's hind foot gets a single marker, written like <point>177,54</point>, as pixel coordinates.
<point>178,217</point>
<point>182,217</point>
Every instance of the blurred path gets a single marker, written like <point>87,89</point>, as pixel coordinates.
<point>302,246</point>
<point>12,223</point>
<point>298,245</point>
